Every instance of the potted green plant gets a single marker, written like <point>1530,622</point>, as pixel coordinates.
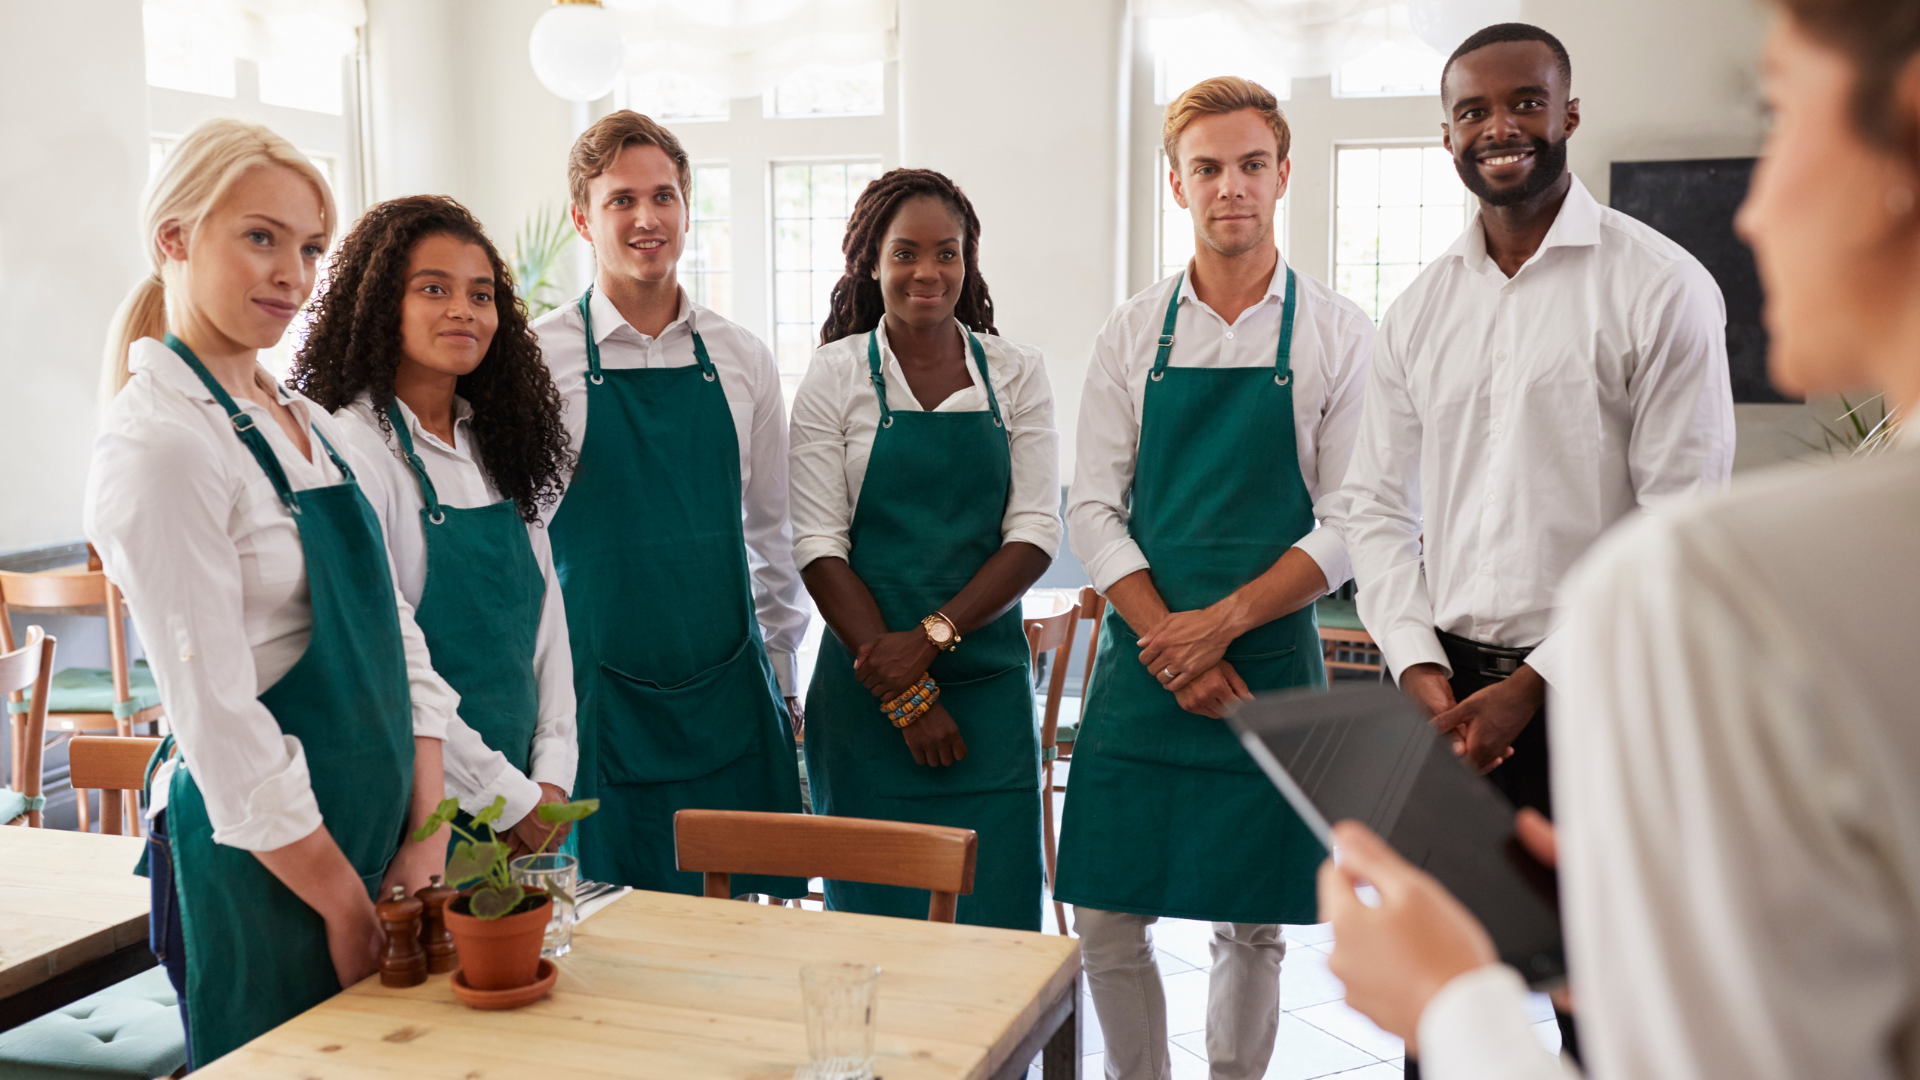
<point>497,923</point>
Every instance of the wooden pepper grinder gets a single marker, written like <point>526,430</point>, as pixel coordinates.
<point>434,935</point>
<point>405,962</point>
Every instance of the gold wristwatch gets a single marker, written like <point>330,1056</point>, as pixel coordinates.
<point>941,631</point>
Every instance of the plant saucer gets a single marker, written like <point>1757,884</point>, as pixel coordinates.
<point>544,979</point>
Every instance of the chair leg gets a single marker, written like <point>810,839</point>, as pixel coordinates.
<point>81,805</point>
<point>133,814</point>
<point>1052,848</point>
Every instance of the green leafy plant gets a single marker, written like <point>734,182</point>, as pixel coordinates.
<point>1863,429</point>
<point>536,258</point>
<point>489,862</point>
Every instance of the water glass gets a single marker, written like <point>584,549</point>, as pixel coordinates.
<point>557,874</point>
<point>839,1000</point>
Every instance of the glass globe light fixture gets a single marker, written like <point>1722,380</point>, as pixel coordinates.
<point>576,49</point>
<point>1444,24</point>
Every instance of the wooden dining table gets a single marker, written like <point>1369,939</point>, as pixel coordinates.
<point>73,918</point>
<point>669,986</point>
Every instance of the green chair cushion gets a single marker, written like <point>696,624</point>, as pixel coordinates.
<point>1338,614</point>
<point>12,805</point>
<point>131,1030</point>
<point>90,690</point>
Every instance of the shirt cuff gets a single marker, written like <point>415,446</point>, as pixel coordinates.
<point>806,551</point>
<point>1412,645</point>
<point>432,711</point>
<point>1115,561</point>
<point>280,808</point>
<point>1043,535</point>
<point>1545,659</point>
<point>556,762</point>
<point>521,793</point>
<point>1477,1028</point>
<point>1328,550</point>
<point>786,671</point>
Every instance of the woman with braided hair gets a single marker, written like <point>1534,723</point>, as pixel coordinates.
<point>925,495</point>
<point>421,351</point>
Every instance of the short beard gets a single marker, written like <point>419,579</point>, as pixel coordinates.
<point>1549,164</point>
<point>1264,237</point>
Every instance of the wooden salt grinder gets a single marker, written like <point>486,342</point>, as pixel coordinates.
<point>405,962</point>
<point>434,936</point>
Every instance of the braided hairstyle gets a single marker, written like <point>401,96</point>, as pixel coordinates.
<point>353,348</point>
<point>856,307</point>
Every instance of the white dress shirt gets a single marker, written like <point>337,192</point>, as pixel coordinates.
<point>751,382</point>
<point>836,415</point>
<point>1513,420</point>
<point>1332,344</point>
<point>189,527</point>
<point>475,772</point>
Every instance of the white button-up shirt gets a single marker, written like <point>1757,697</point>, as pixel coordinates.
<point>1513,420</point>
<point>1735,749</point>
<point>836,415</point>
<point>475,772</point>
<point>751,382</point>
<point>1332,344</point>
<point>189,527</point>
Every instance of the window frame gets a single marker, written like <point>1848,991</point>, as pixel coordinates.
<point>1333,219</point>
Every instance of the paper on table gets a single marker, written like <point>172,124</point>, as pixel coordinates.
<point>591,896</point>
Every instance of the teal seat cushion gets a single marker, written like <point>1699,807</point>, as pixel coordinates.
<point>13,804</point>
<point>1338,615</point>
<point>90,690</point>
<point>129,1030</point>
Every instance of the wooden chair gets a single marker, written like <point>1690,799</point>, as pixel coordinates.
<point>115,765</point>
<point>1341,631</point>
<point>29,667</point>
<point>721,843</point>
<point>1052,634</point>
<point>114,699</point>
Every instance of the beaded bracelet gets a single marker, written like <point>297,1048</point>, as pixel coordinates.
<point>910,706</point>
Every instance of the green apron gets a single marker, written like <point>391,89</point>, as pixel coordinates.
<point>1166,814</point>
<point>678,705</point>
<point>480,612</point>
<point>256,954</point>
<point>929,515</point>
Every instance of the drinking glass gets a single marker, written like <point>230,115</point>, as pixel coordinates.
<point>556,874</point>
<point>839,1000</point>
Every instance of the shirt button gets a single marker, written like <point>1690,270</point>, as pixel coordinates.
<point>1229,335</point>
<point>1501,355</point>
<point>1486,569</point>
<point>1489,498</point>
<point>1498,427</point>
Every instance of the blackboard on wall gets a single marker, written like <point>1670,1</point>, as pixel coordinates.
<point>1693,203</point>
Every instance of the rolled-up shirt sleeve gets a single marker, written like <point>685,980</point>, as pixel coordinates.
<point>157,509</point>
<point>1033,501</point>
<point>1477,1028</point>
<point>778,604</point>
<point>1106,446</point>
<point>821,499</point>
<point>1337,429</point>
<point>556,742</point>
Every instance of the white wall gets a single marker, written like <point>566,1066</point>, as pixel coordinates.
<point>73,77</point>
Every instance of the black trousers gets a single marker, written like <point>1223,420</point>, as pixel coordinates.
<point>1524,778</point>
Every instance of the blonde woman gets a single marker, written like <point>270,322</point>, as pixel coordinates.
<point>308,720</point>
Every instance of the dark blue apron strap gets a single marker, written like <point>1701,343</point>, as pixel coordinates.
<point>1165,351</point>
<point>243,426</point>
<point>593,347</point>
<point>879,377</point>
<point>419,467</point>
<point>980,361</point>
<point>1283,360</point>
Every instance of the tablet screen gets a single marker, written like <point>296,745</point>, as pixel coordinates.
<point>1365,752</point>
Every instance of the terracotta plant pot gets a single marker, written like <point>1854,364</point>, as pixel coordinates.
<point>500,954</point>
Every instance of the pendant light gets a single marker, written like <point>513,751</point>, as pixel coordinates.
<point>1444,24</point>
<point>576,50</point>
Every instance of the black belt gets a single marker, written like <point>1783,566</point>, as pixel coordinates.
<point>1495,662</point>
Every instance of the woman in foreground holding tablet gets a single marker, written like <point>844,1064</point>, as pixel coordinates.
<point>253,566</point>
<point>1738,810</point>
<point>422,352</point>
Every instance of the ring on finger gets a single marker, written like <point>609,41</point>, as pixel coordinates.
<point>1167,672</point>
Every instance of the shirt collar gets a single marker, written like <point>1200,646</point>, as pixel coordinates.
<point>462,414</point>
<point>157,359</point>
<point>1276,286</point>
<point>607,318</point>
<point>1576,225</point>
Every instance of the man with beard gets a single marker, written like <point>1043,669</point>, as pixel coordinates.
<point>1215,426</point>
<point>1558,367</point>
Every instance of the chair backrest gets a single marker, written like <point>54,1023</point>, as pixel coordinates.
<point>29,667</point>
<point>720,843</point>
<point>1092,606</point>
<point>86,592</point>
<point>1053,633</point>
<point>113,763</point>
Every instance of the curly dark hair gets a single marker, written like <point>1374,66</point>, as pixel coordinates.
<point>353,348</point>
<point>856,307</point>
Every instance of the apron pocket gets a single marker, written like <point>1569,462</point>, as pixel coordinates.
<point>996,718</point>
<point>653,734</point>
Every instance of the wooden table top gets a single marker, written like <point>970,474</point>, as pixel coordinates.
<point>661,985</point>
<point>66,898</point>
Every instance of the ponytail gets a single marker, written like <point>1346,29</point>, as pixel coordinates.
<point>142,314</point>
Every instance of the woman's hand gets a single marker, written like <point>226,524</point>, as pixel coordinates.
<point>1394,958</point>
<point>889,665</point>
<point>355,941</point>
<point>935,738</point>
<point>415,864</point>
<point>529,834</point>
<point>1188,644</point>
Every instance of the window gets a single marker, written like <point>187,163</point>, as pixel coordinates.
<point>706,266</point>
<point>1396,209</point>
<point>670,96</point>
<point>1391,70</point>
<point>1174,224</point>
<point>819,90</point>
<point>313,82</point>
<point>1186,51</point>
<point>811,202</point>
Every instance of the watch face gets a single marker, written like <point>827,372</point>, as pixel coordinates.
<point>939,632</point>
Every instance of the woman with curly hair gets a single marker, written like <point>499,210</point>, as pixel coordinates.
<point>420,349</point>
<point>925,494</point>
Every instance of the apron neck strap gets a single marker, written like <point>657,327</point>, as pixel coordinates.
<point>980,361</point>
<point>1283,356</point>
<point>419,467</point>
<point>879,377</point>
<point>243,425</point>
<point>593,347</point>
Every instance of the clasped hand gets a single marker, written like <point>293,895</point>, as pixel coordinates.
<point>1184,653</point>
<point>890,664</point>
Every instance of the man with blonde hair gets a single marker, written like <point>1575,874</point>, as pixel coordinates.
<point>672,543</point>
<point>1215,426</point>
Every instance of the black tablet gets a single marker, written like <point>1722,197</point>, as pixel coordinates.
<point>1366,753</point>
